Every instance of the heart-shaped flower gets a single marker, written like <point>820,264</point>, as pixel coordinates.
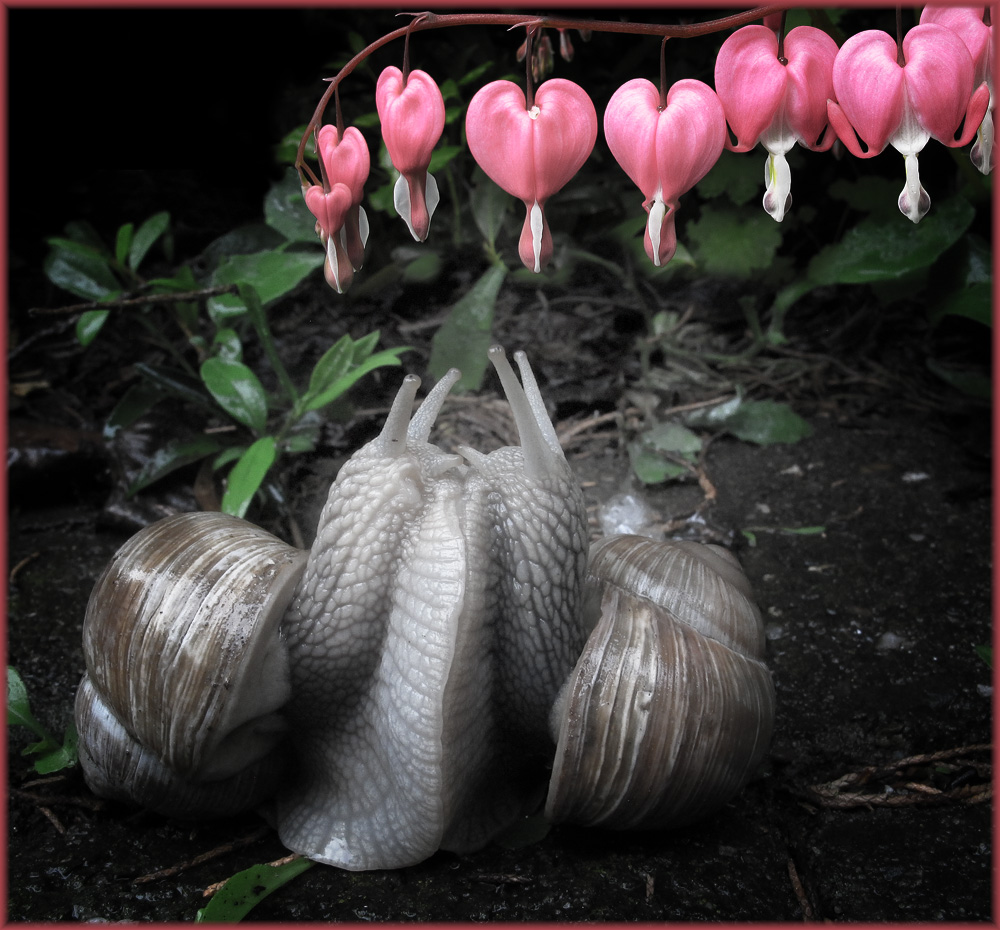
<point>412,115</point>
<point>331,209</point>
<point>346,161</point>
<point>532,153</point>
<point>777,102</point>
<point>968,24</point>
<point>665,152</point>
<point>905,105</point>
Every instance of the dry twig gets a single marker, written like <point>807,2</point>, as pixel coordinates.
<point>907,782</point>
<point>222,850</point>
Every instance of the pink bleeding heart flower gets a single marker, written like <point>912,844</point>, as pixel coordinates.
<point>330,209</point>
<point>665,152</point>
<point>346,161</point>
<point>777,103</point>
<point>533,153</point>
<point>885,103</point>
<point>412,115</point>
<point>968,23</point>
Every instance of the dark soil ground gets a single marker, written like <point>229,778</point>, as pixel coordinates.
<point>872,622</point>
<point>872,626</point>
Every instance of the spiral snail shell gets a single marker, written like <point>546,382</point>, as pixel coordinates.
<point>678,639</point>
<point>187,672</point>
<point>438,650</point>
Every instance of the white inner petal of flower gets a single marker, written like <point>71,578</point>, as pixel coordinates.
<point>910,137</point>
<point>533,112</point>
<point>363,226</point>
<point>536,233</point>
<point>654,224</point>
<point>914,201</point>
<point>778,178</point>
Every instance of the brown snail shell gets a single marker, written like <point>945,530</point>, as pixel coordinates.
<point>185,659</point>
<point>670,707</point>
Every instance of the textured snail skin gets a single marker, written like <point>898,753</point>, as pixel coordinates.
<point>437,618</point>
<point>408,684</point>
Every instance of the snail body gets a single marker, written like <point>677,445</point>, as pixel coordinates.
<point>431,657</point>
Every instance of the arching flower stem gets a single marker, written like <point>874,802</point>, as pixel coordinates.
<point>663,74</point>
<point>529,83</point>
<point>428,20</point>
<point>781,38</point>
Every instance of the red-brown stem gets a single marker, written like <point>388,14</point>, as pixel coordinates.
<point>440,21</point>
<point>340,115</point>
<point>406,52</point>
<point>529,84</point>
<point>781,38</point>
<point>663,73</point>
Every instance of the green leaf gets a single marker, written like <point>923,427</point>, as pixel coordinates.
<point>649,462</point>
<point>423,269</point>
<point>137,401</point>
<point>974,302</point>
<point>272,274</point>
<point>173,455</point>
<point>53,757</point>
<point>82,233</point>
<point>630,234</point>
<point>734,243</point>
<point>285,209</point>
<point>18,708</point>
<point>249,296</point>
<point>56,758</point>
<point>345,382</point>
<point>490,204</point>
<point>738,176</point>
<point>223,309</point>
<point>442,156</point>
<point>287,149</point>
<point>650,467</point>
<point>364,346</point>
<point>227,344</point>
<point>146,236</point>
<point>332,365</point>
<point>245,889</point>
<point>673,437</point>
<point>766,422</point>
<point>237,390</point>
<point>884,249</point>
<point>868,194</point>
<point>123,242</point>
<point>177,383</point>
<point>475,73</point>
<point>971,285</point>
<point>304,435</point>
<point>974,383</point>
<point>985,653</point>
<point>79,270</point>
<point>89,325</point>
<point>465,336</point>
<point>247,475</point>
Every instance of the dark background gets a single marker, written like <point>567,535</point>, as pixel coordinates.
<point>117,114</point>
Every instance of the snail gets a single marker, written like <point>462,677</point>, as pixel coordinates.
<point>445,659</point>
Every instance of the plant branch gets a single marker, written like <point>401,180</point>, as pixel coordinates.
<point>126,302</point>
<point>513,20</point>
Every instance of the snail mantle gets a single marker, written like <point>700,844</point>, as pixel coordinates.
<point>443,658</point>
